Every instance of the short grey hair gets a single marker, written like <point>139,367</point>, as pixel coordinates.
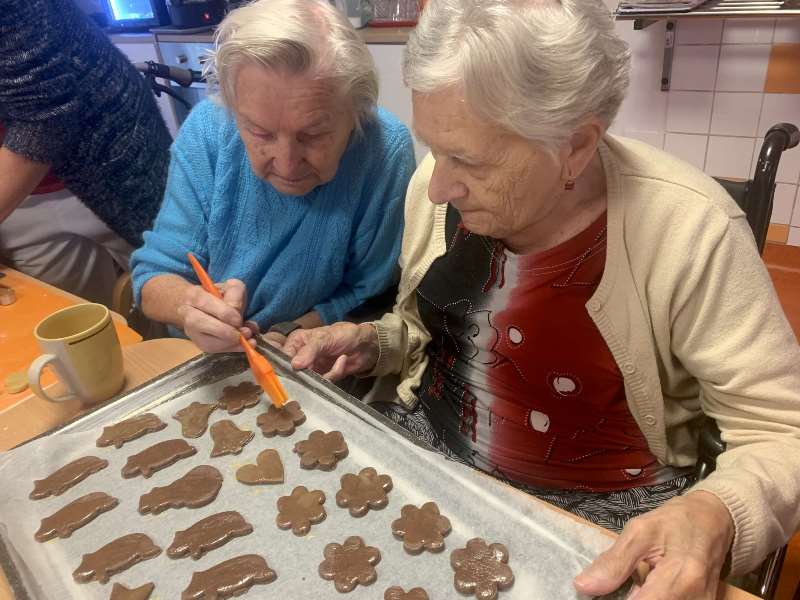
<point>302,37</point>
<point>536,68</point>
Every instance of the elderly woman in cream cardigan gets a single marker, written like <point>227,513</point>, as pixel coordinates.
<point>574,304</point>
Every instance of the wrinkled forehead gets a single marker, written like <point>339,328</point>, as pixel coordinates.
<point>267,98</point>
<point>445,122</point>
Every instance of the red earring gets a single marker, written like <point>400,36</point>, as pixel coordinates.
<point>569,185</point>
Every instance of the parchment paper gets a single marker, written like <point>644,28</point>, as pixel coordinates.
<point>547,549</point>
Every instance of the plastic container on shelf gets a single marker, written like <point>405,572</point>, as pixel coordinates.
<point>395,13</point>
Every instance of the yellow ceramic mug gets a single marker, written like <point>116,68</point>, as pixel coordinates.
<point>82,345</point>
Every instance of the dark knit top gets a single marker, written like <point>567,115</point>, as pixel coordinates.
<point>70,99</point>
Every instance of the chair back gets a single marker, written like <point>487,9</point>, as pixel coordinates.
<point>755,197</point>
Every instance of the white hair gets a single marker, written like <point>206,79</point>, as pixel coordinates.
<point>301,37</point>
<point>536,68</point>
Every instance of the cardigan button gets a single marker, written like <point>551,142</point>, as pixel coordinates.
<point>629,368</point>
<point>594,305</point>
<point>650,420</point>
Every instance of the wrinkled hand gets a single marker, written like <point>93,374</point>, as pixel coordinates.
<point>214,325</point>
<point>335,351</point>
<point>684,542</point>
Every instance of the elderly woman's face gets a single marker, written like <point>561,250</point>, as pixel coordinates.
<point>500,184</point>
<point>295,128</point>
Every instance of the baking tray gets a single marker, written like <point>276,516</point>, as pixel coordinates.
<point>547,548</point>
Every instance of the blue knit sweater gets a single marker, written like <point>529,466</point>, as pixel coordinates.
<point>328,250</point>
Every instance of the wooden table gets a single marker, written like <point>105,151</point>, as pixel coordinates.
<point>18,347</point>
<point>145,361</point>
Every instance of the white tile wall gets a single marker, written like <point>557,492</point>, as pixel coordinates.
<point>716,113</point>
<point>794,236</point>
<point>743,68</point>
<point>694,67</point>
<point>748,31</point>
<point>690,112</point>
<point>787,31</point>
<point>783,203</point>
<point>645,107</point>
<point>736,113</point>
<point>691,148</point>
<point>779,108</point>
<point>729,156</point>
<point>699,31</point>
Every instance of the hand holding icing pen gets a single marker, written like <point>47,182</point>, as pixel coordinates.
<point>259,365</point>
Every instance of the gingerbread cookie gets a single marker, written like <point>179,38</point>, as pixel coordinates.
<point>74,515</point>
<point>70,474</point>
<point>281,421</point>
<point>228,438</point>
<point>361,492</point>
<point>129,429</point>
<point>300,510</point>
<point>120,592</point>
<point>398,593</point>
<point>238,397</point>
<point>157,457</point>
<point>350,564</point>
<point>268,469</point>
<point>194,418</point>
<point>421,528</point>
<point>195,489</point>
<point>230,578</point>
<point>481,569</point>
<point>114,557</point>
<point>321,450</point>
<point>208,534</point>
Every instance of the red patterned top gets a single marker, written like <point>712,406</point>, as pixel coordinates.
<point>520,382</point>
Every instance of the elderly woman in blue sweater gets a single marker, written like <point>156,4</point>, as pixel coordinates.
<point>289,189</point>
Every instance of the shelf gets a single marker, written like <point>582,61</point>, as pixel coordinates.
<point>728,9</point>
<point>713,9</point>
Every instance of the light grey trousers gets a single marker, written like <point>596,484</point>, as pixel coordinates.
<point>55,238</point>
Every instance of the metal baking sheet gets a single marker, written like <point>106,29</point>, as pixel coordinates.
<point>547,549</point>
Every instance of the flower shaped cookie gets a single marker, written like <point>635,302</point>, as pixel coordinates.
<point>361,492</point>
<point>300,510</point>
<point>421,528</point>
<point>481,569</point>
<point>281,421</point>
<point>321,450</point>
<point>350,564</point>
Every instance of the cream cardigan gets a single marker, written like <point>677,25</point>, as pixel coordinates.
<point>689,314</point>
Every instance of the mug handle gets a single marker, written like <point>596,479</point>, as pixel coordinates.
<point>35,374</point>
